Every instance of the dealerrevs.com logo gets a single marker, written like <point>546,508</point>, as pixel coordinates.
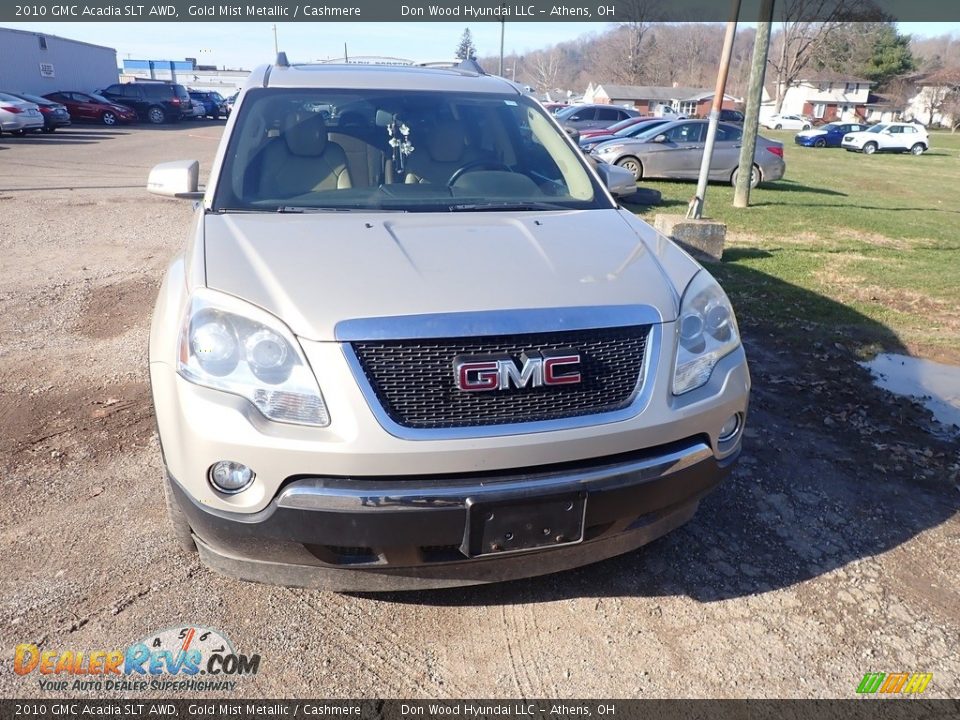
<point>185,658</point>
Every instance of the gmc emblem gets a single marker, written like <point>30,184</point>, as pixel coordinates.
<point>483,373</point>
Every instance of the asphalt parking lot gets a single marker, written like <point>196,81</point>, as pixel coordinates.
<point>831,553</point>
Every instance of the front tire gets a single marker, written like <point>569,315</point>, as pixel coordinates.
<point>633,165</point>
<point>754,177</point>
<point>806,126</point>
<point>819,142</point>
<point>156,115</point>
<point>182,533</point>
<point>109,118</point>
<point>918,149</point>
<point>778,126</point>
<point>870,148</point>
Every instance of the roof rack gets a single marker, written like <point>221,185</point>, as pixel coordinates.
<point>458,63</point>
<point>467,64</point>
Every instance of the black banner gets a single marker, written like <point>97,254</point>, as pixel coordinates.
<point>865,709</point>
<point>472,10</point>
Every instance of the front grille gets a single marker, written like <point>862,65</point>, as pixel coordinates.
<point>414,380</point>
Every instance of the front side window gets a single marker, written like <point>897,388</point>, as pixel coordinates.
<point>685,133</point>
<point>414,151</point>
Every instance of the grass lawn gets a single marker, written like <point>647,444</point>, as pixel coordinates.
<point>846,245</point>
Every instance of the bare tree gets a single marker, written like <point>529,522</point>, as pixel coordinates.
<point>807,27</point>
<point>950,109</point>
<point>545,67</point>
<point>940,95</point>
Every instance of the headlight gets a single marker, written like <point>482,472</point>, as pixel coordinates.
<point>707,330</point>
<point>229,345</point>
<point>608,149</point>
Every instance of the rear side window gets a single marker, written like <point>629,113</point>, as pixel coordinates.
<point>157,91</point>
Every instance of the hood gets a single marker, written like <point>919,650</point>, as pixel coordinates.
<point>314,270</point>
<point>811,132</point>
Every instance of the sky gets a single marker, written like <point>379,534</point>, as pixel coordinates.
<point>246,45</point>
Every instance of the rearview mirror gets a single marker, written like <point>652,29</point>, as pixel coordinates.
<point>178,179</point>
<point>618,180</point>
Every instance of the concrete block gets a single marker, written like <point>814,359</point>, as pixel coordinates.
<point>701,238</point>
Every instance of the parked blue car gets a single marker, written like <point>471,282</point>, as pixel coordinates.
<point>830,135</point>
<point>213,103</point>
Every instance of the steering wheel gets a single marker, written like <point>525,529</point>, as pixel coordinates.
<point>477,165</point>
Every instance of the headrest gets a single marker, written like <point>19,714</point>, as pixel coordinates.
<point>305,134</point>
<point>352,118</point>
<point>446,142</point>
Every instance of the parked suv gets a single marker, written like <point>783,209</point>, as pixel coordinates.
<point>895,137</point>
<point>412,341</point>
<point>157,102</point>
<point>581,117</point>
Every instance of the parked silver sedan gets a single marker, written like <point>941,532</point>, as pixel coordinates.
<point>19,116</point>
<point>675,150</point>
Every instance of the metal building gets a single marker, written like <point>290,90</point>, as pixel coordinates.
<point>186,72</point>
<point>38,63</point>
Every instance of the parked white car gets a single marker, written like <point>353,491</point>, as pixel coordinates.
<point>19,116</point>
<point>889,137</point>
<point>786,122</point>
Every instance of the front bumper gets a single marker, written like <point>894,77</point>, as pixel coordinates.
<point>403,533</point>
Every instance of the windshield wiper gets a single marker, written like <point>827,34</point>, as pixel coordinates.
<point>505,205</point>
<point>309,209</point>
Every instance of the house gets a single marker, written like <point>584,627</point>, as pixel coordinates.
<point>883,109</point>
<point>692,102</point>
<point>931,91</point>
<point>822,95</point>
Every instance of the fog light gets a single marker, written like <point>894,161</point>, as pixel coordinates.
<point>230,477</point>
<point>730,428</point>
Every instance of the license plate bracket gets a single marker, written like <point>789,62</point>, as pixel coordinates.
<point>512,526</point>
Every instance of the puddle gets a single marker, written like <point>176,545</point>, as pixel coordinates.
<point>935,385</point>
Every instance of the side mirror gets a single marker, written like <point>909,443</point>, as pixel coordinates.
<point>573,133</point>
<point>619,181</point>
<point>178,179</point>
<point>660,139</point>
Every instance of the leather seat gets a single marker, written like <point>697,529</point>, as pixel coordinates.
<point>366,162</point>
<point>303,160</point>
<point>446,152</point>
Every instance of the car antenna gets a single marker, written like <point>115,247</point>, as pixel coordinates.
<point>282,60</point>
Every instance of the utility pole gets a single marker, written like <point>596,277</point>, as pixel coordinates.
<point>695,210</point>
<point>276,45</point>
<point>751,120</point>
<point>503,30</point>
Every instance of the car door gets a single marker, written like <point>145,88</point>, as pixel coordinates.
<point>726,152</point>
<point>87,109</point>
<point>583,118</point>
<point>605,117</point>
<point>678,156</point>
<point>892,138</point>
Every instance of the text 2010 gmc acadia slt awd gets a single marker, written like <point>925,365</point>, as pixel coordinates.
<point>412,341</point>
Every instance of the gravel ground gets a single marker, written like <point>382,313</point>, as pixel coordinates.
<point>832,552</point>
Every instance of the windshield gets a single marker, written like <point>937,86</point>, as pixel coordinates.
<point>877,128</point>
<point>302,150</point>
